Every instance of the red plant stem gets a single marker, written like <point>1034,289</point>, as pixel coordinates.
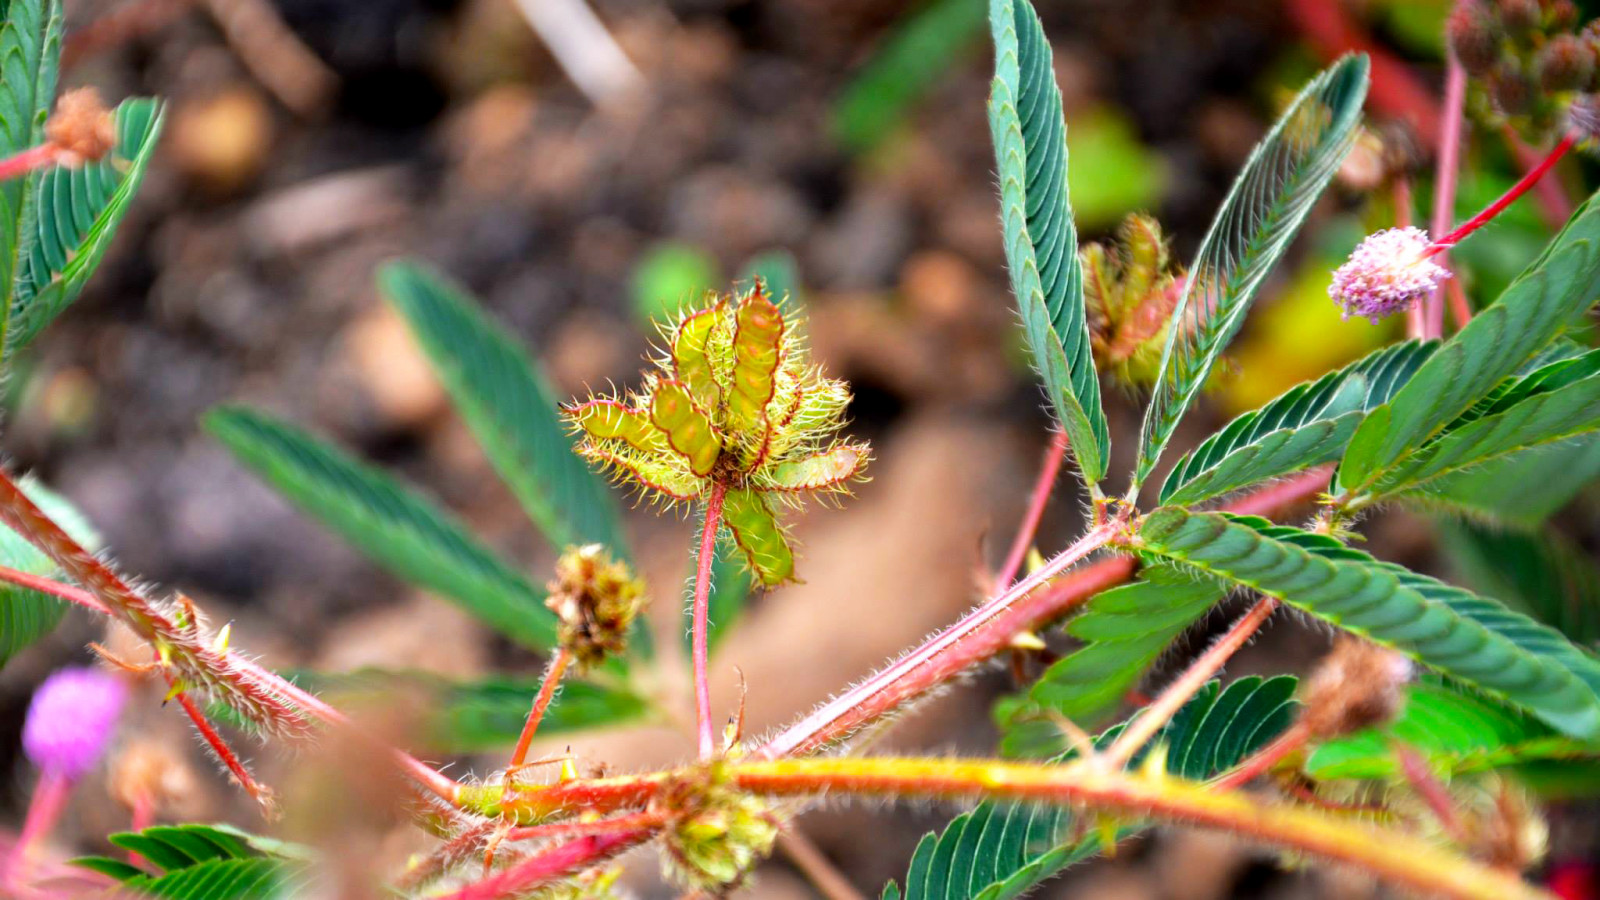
<point>1553,199</point>
<point>989,630</point>
<point>1415,769</point>
<point>1446,172</point>
<point>20,164</point>
<point>1331,28</point>
<point>918,669</point>
<point>702,612</point>
<point>224,753</point>
<point>815,866</point>
<point>1157,714</point>
<point>425,776</point>
<point>549,865</point>
<point>44,808</point>
<point>1259,762</point>
<point>1036,504</point>
<point>1506,199</point>
<point>592,828</point>
<point>541,702</point>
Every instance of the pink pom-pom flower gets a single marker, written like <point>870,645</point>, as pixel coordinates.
<point>71,719</point>
<point>1387,273</point>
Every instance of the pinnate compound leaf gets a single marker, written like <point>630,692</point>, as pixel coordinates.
<point>999,851</point>
<point>30,46</point>
<point>1456,732</point>
<point>71,216</point>
<point>1521,490</point>
<point>1477,641</point>
<point>1306,426</point>
<point>206,862</point>
<point>1558,286</point>
<point>1281,181</point>
<point>1041,242</point>
<point>506,401</point>
<point>1124,631</point>
<point>398,528</point>
<point>1543,574</point>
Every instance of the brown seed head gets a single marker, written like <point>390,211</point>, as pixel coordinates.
<point>596,598</point>
<point>83,129</point>
<point>1357,685</point>
<point>1473,36</point>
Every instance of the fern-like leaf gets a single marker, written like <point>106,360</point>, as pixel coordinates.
<point>999,851</point>
<point>1557,287</point>
<point>30,45</point>
<point>1306,426</point>
<point>70,219</point>
<point>1029,132</point>
<point>1475,640</point>
<point>1521,490</point>
<point>398,528</point>
<point>1543,574</point>
<point>1124,630</point>
<point>206,862</point>
<point>507,403</point>
<point>1283,178</point>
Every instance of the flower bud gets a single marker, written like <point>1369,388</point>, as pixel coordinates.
<point>1473,36</point>
<point>1510,88</point>
<point>719,835</point>
<point>1564,64</point>
<point>596,599</point>
<point>82,128</point>
<point>1359,684</point>
<point>1386,274</point>
<point>1520,17</point>
<point>71,719</point>
<point>1562,14</point>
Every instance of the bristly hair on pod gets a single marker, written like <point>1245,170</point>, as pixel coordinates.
<point>733,401</point>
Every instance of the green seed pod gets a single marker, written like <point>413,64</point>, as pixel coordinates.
<point>757,349</point>
<point>687,427</point>
<point>719,834</point>
<point>759,536</point>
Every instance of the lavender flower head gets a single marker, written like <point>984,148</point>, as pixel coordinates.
<point>1386,273</point>
<point>71,719</point>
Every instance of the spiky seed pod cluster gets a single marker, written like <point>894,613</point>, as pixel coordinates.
<point>735,403</point>
<point>1529,59</point>
<point>1130,295</point>
<point>595,598</point>
<point>717,834</point>
<point>1359,684</point>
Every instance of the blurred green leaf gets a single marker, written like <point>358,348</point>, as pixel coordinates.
<point>924,45</point>
<point>509,406</point>
<point>206,862</point>
<point>1116,174</point>
<point>394,525</point>
<point>671,275</point>
<point>1543,574</point>
<point>781,274</point>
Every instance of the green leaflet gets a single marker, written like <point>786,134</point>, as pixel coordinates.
<point>1456,732</point>
<point>1124,630</point>
<point>69,221</point>
<point>1543,574</point>
<point>484,715</point>
<point>1029,132</point>
<point>398,528</point>
<point>1540,419</point>
<point>1307,425</point>
<point>505,400</point>
<point>26,615</point>
<point>925,46</point>
<point>1562,283</point>
<point>1281,181</point>
<point>30,44</point>
<point>1472,639</point>
<point>999,851</point>
<point>1521,490</point>
<point>206,862</point>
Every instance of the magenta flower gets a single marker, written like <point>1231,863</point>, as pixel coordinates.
<point>70,720</point>
<point>1387,273</point>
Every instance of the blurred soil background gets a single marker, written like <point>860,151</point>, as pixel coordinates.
<point>843,142</point>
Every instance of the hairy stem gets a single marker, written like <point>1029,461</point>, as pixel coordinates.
<point>1036,504</point>
<point>1444,182</point>
<point>20,164</point>
<point>1396,857</point>
<point>1553,200</point>
<point>701,613</point>
<point>1259,762</point>
<point>549,865</point>
<point>224,754</point>
<point>44,808</point>
<point>589,828</point>
<point>541,702</point>
<point>1155,716</point>
<point>919,670</point>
